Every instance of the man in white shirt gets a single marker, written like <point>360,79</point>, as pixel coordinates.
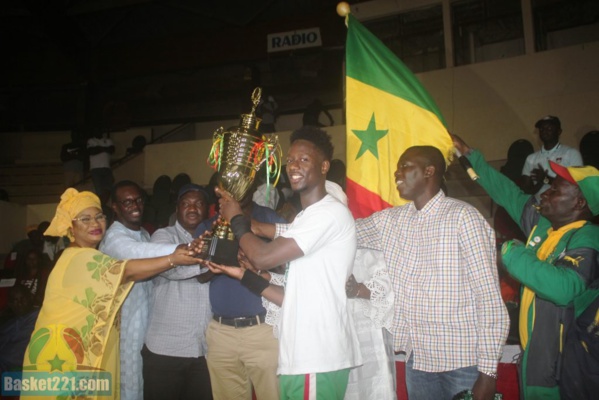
<point>100,148</point>
<point>536,174</point>
<point>317,341</point>
<point>126,239</point>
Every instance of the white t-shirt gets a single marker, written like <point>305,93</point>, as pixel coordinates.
<point>101,160</point>
<point>317,333</point>
<point>561,154</point>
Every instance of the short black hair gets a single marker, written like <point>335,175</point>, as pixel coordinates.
<point>433,156</point>
<point>122,184</point>
<point>318,137</point>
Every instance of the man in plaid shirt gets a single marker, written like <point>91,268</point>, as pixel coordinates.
<point>449,317</point>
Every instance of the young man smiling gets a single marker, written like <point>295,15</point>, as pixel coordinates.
<point>318,344</point>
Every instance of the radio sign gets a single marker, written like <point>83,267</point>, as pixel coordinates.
<point>294,40</point>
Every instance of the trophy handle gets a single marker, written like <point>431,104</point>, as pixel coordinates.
<point>274,156</point>
<point>218,133</point>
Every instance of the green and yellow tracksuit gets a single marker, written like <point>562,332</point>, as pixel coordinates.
<point>555,268</point>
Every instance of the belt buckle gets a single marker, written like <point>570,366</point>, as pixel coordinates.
<point>242,322</point>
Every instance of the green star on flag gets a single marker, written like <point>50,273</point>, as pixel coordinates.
<point>378,83</point>
<point>370,138</point>
<point>56,363</point>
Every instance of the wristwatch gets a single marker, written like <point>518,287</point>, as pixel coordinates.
<point>490,374</point>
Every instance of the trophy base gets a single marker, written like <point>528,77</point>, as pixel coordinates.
<point>221,251</point>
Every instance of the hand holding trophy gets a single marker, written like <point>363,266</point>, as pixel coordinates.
<point>228,206</point>
<point>237,154</point>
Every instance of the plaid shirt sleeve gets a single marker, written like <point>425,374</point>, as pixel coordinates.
<point>280,229</point>
<point>477,245</point>
<point>369,231</point>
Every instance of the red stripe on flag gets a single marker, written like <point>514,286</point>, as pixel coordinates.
<point>363,202</point>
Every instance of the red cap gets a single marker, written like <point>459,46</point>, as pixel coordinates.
<point>563,172</point>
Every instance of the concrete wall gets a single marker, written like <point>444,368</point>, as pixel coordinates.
<point>494,103</point>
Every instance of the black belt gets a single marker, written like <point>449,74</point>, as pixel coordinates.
<point>240,322</point>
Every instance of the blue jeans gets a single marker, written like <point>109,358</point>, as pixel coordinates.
<point>438,385</point>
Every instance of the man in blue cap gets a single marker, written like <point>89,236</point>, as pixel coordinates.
<point>174,354</point>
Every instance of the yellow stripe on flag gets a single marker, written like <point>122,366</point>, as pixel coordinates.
<point>406,124</point>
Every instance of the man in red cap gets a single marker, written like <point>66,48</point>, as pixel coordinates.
<point>558,267</point>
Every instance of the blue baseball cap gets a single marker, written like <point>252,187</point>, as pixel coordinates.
<point>193,187</point>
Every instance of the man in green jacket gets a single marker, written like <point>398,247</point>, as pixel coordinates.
<point>556,265</point>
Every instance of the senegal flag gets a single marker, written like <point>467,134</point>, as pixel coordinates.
<point>388,111</point>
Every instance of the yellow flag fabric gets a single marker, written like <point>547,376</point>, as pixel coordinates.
<point>387,111</point>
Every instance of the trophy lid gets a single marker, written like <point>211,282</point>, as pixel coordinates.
<point>250,121</point>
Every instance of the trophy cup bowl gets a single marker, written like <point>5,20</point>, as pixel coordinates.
<point>237,154</point>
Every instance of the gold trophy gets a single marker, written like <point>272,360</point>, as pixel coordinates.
<point>237,155</point>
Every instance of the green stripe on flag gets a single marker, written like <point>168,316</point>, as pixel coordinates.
<point>380,67</point>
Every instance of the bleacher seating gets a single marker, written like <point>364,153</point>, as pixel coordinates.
<point>32,183</point>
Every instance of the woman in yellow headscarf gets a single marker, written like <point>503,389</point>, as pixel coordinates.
<point>77,331</point>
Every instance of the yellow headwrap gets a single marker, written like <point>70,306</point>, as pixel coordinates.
<point>71,203</point>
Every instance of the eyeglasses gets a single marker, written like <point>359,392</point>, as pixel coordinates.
<point>86,220</point>
<point>129,202</point>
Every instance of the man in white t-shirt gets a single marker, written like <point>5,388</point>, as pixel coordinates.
<point>317,341</point>
<point>100,148</point>
<point>536,174</point>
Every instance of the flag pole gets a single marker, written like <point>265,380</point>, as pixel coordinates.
<point>343,10</point>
